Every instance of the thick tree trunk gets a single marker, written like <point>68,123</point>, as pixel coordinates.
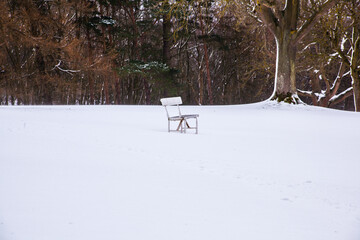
<point>285,77</point>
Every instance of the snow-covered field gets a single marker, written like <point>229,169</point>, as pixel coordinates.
<point>255,172</point>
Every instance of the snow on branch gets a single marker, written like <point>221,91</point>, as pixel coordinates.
<point>57,66</point>
<point>341,96</point>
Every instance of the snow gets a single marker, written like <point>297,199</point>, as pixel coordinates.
<point>257,172</point>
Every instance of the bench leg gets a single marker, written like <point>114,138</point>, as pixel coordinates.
<point>183,125</point>
<point>180,126</point>
<point>197,126</point>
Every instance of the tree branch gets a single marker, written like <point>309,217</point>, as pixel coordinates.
<point>306,27</point>
<point>355,53</point>
<point>308,94</point>
<point>325,79</point>
<point>337,81</point>
<point>267,16</point>
<point>292,13</point>
<point>304,93</point>
<point>343,57</point>
<point>341,97</point>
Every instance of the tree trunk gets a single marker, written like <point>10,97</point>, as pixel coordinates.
<point>166,34</point>
<point>285,77</point>
<point>106,80</point>
<point>356,88</point>
<point>90,73</point>
<point>208,77</point>
<point>118,91</point>
<point>147,89</point>
<point>200,96</point>
<point>354,69</point>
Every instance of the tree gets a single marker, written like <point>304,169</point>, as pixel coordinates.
<point>199,14</point>
<point>321,63</point>
<point>348,46</point>
<point>342,37</point>
<point>284,20</point>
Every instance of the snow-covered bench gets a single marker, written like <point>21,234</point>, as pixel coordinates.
<point>182,119</point>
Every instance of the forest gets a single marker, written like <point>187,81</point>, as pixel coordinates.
<point>85,52</point>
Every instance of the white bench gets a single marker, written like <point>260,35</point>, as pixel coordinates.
<point>183,119</point>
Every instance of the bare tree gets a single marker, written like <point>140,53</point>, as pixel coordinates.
<point>351,54</point>
<point>284,19</point>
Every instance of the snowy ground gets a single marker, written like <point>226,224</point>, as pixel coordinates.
<point>255,172</point>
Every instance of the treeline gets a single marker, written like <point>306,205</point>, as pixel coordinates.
<point>137,51</point>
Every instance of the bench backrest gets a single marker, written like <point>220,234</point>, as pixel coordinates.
<point>172,101</point>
